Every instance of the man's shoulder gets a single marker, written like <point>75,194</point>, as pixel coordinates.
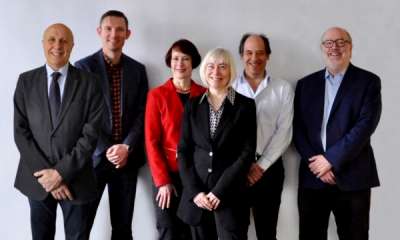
<point>33,71</point>
<point>313,76</point>
<point>88,60</point>
<point>132,62</point>
<point>362,73</point>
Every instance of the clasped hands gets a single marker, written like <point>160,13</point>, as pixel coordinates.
<point>208,201</point>
<point>322,169</point>
<point>51,181</point>
<point>118,155</point>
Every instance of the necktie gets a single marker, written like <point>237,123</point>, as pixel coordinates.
<point>54,97</point>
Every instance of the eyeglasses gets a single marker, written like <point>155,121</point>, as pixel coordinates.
<point>339,42</point>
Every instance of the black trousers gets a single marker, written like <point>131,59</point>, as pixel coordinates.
<point>350,209</point>
<point>43,219</point>
<point>169,226</point>
<point>121,185</point>
<point>265,200</point>
<point>211,228</point>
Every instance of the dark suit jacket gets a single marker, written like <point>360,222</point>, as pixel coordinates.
<point>219,166</point>
<point>354,117</point>
<point>134,87</point>
<point>69,145</point>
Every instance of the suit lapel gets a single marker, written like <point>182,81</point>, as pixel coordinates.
<point>227,119</point>
<point>203,119</point>
<point>44,96</point>
<point>71,85</point>
<point>317,105</point>
<point>342,91</point>
<point>124,82</point>
<point>105,83</point>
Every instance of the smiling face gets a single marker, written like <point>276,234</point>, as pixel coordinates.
<point>57,45</point>
<point>113,32</point>
<point>181,65</point>
<point>217,73</point>
<point>254,57</point>
<point>337,58</point>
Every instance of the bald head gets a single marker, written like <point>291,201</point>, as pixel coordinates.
<point>57,42</point>
<point>337,29</point>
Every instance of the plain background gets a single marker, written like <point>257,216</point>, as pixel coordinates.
<point>294,28</point>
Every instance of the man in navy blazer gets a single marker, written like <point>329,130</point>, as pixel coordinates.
<point>120,149</point>
<point>336,111</point>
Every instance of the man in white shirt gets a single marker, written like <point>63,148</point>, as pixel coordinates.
<point>274,102</point>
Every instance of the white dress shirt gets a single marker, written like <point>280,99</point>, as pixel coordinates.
<point>61,80</point>
<point>274,103</point>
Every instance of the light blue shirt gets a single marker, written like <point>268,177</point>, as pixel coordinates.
<point>61,80</point>
<point>332,84</point>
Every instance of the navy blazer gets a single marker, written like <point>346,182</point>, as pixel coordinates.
<point>134,87</point>
<point>67,146</point>
<point>221,165</point>
<point>353,118</point>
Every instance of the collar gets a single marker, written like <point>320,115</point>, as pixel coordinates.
<point>230,96</point>
<point>334,79</point>
<point>109,63</point>
<point>63,70</point>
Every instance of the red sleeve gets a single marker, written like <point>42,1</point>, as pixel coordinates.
<point>153,132</point>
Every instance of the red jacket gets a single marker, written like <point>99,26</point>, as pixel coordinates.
<point>163,119</point>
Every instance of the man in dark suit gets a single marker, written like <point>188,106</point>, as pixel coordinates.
<point>57,113</point>
<point>336,111</point>
<point>120,149</point>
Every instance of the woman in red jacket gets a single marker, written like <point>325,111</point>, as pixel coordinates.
<point>163,119</point>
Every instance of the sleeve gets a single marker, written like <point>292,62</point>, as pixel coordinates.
<point>283,133</point>
<point>135,134</point>
<point>242,164</point>
<point>73,162</point>
<point>153,133</point>
<point>354,141</point>
<point>30,153</point>
<point>190,180</point>
<point>300,138</point>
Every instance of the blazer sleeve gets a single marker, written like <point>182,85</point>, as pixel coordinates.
<point>354,141</point>
<point>300,138</point>
<point>240,167</point>
<point>31,154</point>
<point>190,180</point>
<point>73,162</point>
<point>153,133</point>
<point>135,134</point>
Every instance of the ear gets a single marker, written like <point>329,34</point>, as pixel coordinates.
<point>128,33</point>
<point>98,30</point>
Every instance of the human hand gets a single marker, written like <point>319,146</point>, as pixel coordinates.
<point>62,193</point>
<point>214,200</point>
<point>328,178</point>
<point>319,165</point>
<point>164,195</point>
<point>48,178</point>
<point>118,155</point>
<point>255,174</point>
<point>202,201</point>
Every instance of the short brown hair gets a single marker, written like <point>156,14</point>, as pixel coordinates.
<point>187,47</point>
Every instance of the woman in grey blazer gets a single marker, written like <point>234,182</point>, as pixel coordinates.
<point>216,149</point>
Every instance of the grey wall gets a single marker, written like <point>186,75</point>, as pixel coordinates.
<point>294,28</point>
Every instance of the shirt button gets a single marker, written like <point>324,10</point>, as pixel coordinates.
<point>209,170</point>
<point>210,154</point>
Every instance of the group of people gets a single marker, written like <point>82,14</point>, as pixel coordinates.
<point>214,150</point>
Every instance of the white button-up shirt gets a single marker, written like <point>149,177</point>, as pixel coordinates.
<point>274,103</point>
